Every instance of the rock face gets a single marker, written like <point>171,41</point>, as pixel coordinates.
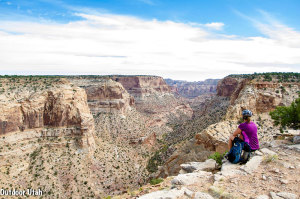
<point>105,95</point>
<point>62,106</point>
<point>140,86</point>
<point>193,89</point>
<point>257,95</point>
<point>215,137</point>
<point>227,86</point>
<point>208,165</point>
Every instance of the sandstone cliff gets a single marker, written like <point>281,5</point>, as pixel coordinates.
<point>59,106</point>
<point>193,89</point>
<point>140,86</point>
<point>105,95</point>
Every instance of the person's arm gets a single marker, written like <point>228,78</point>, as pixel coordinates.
<point>235,133</point>
<point>231,138</point>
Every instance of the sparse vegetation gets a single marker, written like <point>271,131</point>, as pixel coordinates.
<point>270,158</point>
<point>156,181</point>
<point>278,76</point>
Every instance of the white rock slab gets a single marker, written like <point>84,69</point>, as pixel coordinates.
<point>191,178</point>
<point>274,195</point>
<point>229,169</point>
<point>252,164</point>
<point>262,197</point>
<point>287,195</point>
<point>267,151</point>
<point>208,165</point>
<point>164,194</point>
<point>201,195</point>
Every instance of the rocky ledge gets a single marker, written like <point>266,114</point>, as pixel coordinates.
<point>271,173</point>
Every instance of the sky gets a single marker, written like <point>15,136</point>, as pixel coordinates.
<point>189,40</point>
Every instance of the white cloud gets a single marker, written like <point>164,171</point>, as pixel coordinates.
<point>215,25</point>
<point>114,44</point>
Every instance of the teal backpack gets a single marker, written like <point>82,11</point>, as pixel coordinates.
<point>235,154</point>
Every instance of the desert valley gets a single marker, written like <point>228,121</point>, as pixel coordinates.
<point>109,136</point>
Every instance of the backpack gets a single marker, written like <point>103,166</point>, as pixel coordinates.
<point>235,154</point>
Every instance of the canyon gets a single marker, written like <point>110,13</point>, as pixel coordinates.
<point>95,136</point>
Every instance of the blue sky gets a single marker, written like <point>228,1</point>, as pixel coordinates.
<point>198,11</point>
<point>205,28</point>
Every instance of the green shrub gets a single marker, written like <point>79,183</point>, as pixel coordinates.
<point>217,157</point>
<point>156,181</point>
<point>287,116</point>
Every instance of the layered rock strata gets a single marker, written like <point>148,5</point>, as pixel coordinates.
<point>193,89</point>
<point>105,95</point>
<point>140,86</point>
<point>62,107</point>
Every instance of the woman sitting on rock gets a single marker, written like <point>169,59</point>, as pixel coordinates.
<point>247,131</point>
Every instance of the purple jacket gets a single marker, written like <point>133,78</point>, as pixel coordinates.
<point>249,132</point>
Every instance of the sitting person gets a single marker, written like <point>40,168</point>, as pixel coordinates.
<point>247,131</point>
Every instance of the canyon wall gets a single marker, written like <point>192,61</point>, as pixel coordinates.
<point>193,89</point>
<point>140,86</point>
<point>254,94</point>
<point>105,95</point>
<point>61,106</point>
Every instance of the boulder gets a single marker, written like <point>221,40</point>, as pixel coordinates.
<point>295,147</point>
<point>274,195</point>
<point>252,164</point>
<point>164,194</point>
<point>229,169</point>
<point>267,151</point>
<point>191,178</point>
<point>296,139</point>
<point>262,197</point>
<point>287,195</point>
<point>167,194</point>
<point>208,165</point>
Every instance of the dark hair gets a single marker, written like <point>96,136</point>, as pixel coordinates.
<point>247,118</point>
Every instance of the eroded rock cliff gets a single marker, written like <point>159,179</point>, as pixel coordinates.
<point>105,95</point>
<point>254,94</point>
<point>140,86</point>
<point>59,106</point>
<point>193,89</point>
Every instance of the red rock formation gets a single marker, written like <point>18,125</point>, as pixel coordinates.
<point>227,86</point>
